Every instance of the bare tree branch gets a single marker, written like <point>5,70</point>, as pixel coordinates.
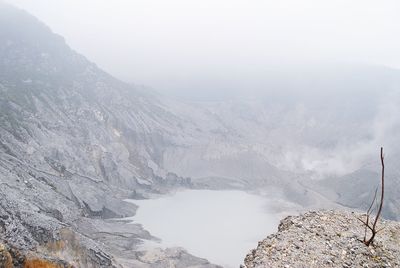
<point>373,201</point>
<point>379,207</point>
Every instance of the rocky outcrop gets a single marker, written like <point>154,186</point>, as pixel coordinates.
<point>326,239</point>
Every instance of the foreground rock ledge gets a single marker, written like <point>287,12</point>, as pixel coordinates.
<point>326,239</point>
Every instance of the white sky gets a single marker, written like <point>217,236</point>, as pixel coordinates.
<point>175,43</point>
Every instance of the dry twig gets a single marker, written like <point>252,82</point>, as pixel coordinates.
<point>371,224</point>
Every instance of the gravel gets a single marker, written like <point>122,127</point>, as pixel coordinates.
<point>327,239</point>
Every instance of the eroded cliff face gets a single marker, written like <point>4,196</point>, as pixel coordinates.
<point>75,142</point>
<point>326,239</point>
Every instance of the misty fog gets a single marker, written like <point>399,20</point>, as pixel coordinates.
<point>212,119</point>
<point>201,48</point>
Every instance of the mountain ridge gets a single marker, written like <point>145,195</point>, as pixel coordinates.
<point>71,152</point>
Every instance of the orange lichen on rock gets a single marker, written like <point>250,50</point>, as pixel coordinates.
<point>38,263</point>
<point>5,257</point>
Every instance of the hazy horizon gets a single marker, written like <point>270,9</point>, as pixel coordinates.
<point>223,46</point>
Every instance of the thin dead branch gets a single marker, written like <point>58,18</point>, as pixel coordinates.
<point>371,224</point>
